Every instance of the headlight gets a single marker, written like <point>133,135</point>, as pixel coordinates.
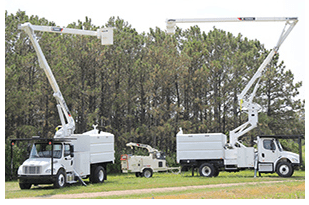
<point>19,172</point>
<point>49,171</point>
<point>294,160</point>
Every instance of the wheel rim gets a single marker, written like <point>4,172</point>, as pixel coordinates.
<point>284,169</point>
<point>101,175</point>
<point>206,171</point>
<point>147,173</point>
<point>61,180</point>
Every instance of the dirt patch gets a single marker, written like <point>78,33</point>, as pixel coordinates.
<point>144,191</point>
<point>268,191</point>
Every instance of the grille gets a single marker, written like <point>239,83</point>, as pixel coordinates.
<point>32,169</point>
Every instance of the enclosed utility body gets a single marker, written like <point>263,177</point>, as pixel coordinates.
<point>200,146</point>
<point>92,149</point>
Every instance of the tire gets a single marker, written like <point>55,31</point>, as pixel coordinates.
<point>60,179</point>
<point>25,185</point>
<point>216,172</point>
<point>207,170</point>
<point>98,175</point>
<point>285,169</point>
<point>138,174</point>
<point>147,173</point>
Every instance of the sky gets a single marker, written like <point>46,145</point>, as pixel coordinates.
<point>145,14</point>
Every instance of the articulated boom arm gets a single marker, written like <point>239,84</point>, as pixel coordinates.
<point>245,101</point>
<point>149,148</point>
<point>67,121</point>
<point>105,34</point>
<point>171,23</point>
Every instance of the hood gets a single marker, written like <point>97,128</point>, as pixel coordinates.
<point>37,162</point>
<point>293,157</point>
<point>35,166</point>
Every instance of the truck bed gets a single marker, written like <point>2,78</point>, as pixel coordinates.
<point>92,149</point>
<point>200,146</point>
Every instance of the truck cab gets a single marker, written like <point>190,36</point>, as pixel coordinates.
<point>272,158</point>
<point>44,155</point>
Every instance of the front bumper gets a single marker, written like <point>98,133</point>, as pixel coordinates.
<point>37,179</point>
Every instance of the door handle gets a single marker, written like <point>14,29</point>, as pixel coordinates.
<point>263,155</point>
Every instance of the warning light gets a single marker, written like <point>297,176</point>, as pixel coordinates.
<point>123,157</point>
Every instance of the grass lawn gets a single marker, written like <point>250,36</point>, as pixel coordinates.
<point>293,187</point>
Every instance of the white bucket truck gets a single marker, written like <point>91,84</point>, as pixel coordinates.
<point>62,161</point>
<point>67,156</point>
<point>211,153</point>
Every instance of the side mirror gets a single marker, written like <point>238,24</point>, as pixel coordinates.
<point>273,146</point>
<point>72,150</point>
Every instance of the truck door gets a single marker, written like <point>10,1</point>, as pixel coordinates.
<point>67,158</point>
<point>268,150</point>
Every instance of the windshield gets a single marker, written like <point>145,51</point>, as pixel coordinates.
<point>43,150</point>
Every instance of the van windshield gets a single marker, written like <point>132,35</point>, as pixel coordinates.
<point>43,150</point>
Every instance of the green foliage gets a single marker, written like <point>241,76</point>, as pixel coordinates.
<point>144,86</point>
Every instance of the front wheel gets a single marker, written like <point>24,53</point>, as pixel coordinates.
<point>285,169</point>
<point>60,179</point>
<point>25,185</point>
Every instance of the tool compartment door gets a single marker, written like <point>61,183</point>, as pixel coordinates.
<point>101,148</point>
<point>245,157</point>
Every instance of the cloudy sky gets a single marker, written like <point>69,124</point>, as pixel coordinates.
<point>145,14</point>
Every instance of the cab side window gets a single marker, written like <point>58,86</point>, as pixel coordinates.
<point>269,144</point>
<point>67,150</point>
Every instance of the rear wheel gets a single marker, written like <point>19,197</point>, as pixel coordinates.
<point>207,170</point>
<point>98,175</point>
<point>216,172</point>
